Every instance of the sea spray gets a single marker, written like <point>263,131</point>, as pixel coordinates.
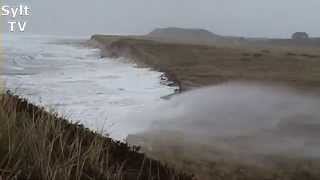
<point>240,118</point>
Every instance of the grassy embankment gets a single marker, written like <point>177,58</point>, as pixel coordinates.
<point>35,144</point>
<point>202,65</point>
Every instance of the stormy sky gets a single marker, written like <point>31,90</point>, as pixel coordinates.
<point>254,18</point>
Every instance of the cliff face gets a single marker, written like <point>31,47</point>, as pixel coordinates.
<point>141,51</point>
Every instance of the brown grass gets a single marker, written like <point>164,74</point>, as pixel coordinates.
<point>35,144</point>
<point>201,65</point>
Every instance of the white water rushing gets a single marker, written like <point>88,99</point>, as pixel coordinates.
<point>100,93</point>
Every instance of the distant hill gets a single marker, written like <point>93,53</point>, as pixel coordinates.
<point>185,35</point>
<point>205,37</point>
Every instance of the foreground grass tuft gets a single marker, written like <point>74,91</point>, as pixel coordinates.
<point>36,144</point>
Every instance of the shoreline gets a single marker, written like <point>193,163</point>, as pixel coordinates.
<point>113,51</point>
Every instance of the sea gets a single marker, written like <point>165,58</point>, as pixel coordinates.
<point>65,75</point>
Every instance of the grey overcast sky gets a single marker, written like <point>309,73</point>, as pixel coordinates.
<point>254,18</point>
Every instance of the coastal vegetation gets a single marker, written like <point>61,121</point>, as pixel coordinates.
<point>36,144</point>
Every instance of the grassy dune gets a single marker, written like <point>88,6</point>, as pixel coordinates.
<point>201,65</point>
<point>35,144</point>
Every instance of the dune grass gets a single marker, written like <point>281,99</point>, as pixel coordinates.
<point>36,144</point>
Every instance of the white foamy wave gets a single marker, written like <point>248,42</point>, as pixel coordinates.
<point>75,81</point>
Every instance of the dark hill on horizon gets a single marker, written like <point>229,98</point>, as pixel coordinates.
<point>182,35</point>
